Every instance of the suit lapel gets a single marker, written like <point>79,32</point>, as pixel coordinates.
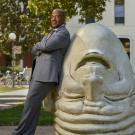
<point>50,34</point>
<point>53,31</point>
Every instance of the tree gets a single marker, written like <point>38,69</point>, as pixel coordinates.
<point>92,9</point>
<point>16,17</point>
<point>85,8</point>
<point>45,7</point>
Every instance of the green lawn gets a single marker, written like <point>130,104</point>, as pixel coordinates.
<point>7,89</point>
<point>10,117</point>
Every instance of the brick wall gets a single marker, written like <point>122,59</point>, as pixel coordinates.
<point>27,60</point>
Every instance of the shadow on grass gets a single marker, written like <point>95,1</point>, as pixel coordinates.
<point>11,117</point>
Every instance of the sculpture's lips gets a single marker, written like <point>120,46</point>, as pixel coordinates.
<point>94,124</point>
<point>79,106</point>
<point>95,58</point>
<point>90,118</point>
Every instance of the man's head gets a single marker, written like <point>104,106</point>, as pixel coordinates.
<point>57,18</point>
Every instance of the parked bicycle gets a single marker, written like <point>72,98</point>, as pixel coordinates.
<point>19,79</point>
<point>6,79</point>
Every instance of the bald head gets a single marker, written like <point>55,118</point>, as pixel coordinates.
<point>61,11</point>
<point>57,18</point>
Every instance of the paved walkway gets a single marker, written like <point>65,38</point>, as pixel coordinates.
<point>41,130</point>
<point>16,92</point>
<point>13,98</point>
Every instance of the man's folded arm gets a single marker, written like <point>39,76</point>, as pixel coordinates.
<point>59,41</point>
<point>35,51</point>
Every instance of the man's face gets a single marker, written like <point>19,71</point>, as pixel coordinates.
<point>57,19</point>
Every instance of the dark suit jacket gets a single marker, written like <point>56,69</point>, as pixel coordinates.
<point>49,54</point>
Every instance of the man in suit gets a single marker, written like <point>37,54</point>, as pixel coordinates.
<point>49,55</point>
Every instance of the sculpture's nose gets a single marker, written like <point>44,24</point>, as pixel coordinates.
<point>91,87</point>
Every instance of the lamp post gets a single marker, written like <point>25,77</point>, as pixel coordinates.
<point>12,37</point>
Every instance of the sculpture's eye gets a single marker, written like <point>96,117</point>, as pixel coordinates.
<point>94,58</point>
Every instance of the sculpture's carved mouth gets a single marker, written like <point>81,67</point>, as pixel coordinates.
<point>94,58</point>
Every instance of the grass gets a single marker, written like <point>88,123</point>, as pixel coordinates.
<point>11,117</point>
<point>7,89</point>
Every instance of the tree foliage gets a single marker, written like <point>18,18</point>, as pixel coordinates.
<point>91,9</point>
<point>45,7</point>
<point>85,8</point>
<point>16,17</point>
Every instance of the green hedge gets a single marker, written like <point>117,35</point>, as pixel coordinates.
<point>3,69</point>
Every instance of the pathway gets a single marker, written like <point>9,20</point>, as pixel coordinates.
<point>41,130</point>
<point>10,99</point>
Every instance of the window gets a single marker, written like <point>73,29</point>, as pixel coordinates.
<point>119,12</point>
<point>126,44</point>
<point>89,20</point>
